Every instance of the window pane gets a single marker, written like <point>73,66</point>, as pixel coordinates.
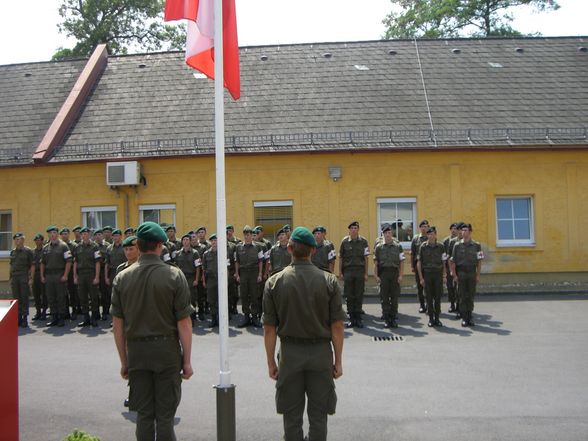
<point>272,218</point>
<point>5,244</point>
<point>151,216</point>
<point>522,230</point>
<point>5,222</point>
<point>405,211</point>
<point>401,216</point>
<point>521,208</point>
<point>505,230</point>
<point>503,209</point>
<point>388,212</point>
<point>108,218</point>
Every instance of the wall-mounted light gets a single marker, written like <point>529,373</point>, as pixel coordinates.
<point>335,173</point>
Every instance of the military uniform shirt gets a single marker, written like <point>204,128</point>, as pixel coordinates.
<point>37,258</point>
<point>115,255</point>
<point>432,256</point>
<point>86,255</point>
<point>249,255</point>
<point>389,255</point>
<point>467,254</point>
<point>279,257</point>
<point>306,298</point>
<point>416,243</point>
<point>21,260</point>
<point>324,255</point>
<point>210,261</point>
<point>188,261</point>
<point>55,256</point>
<point>353,251</point>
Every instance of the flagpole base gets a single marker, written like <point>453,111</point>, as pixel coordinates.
<point>225,413</point>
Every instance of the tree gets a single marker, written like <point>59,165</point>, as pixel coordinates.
<point>120,24</point>
<point>457,18</point>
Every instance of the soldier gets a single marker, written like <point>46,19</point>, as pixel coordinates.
<point>233,284</point>
<point>287,230</point>
<point>279,257</point>
<point>153,335</point>
<point>249,272</point>
<point>77,234</point>
<point>389,267</point>
<point>71,298</point>
<point>308,339</point>
<point>189,262</point>
<point>231,235</point>
<point>103,289</point>
<point>130,231</point>
<point>266,246</point>
<point>325,255</point>
<point>170,231</point>
<point>201,236</point>
<point>86,270</point>
<point>451,294</point>
<point>353,270</point>
<point>38,286</point>
<point>55,268</point>
<point>107,232</point>
<point>414,251</point>
<point>22,271</point>
<point>449,252</point>
<point>466,264</point>
<point>131,253</point>
<point>115,255</point>
<point>431,270</point>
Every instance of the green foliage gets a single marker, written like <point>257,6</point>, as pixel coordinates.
<point>457,18</point>
<point>121,24</point>
<point>78,435</point>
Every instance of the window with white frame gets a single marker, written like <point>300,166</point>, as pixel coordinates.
<point>5,232</point>
<point>163,214</point>
<point>401,214</point>
<point>272,215</point>
<point>514,221</point>
<point>99,217</point>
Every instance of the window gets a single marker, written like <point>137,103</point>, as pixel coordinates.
<point>98,217</point>
<point>5,232</point>
<point>272,216</point>
<point>401,214</point>
<point>163,214</point>
<point>514,221</point>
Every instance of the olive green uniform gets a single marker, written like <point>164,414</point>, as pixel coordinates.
<point>151,297</point>
<point>21,261</point>
<point>432,258</point>
<point>465,256</point>
<point>105,291</point>
<point>189,262</point>
<point>451,294</point>
<point>449,252</point>
<point>324,255</point>
<point>388,257</point>
<point>416,243</point>
<point>72,299</point>
<point>248,258</point>
<point>305,357</point>
<point>210,268</point>
<point>115,255</point>
<point>353,253</point>
<point>38,286</point>
<point>279,258</point>
<point>200,289</point>
<point>55,257</point>
<point>86,254</point>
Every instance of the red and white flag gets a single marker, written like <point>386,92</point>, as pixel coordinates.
<point>200,38</point>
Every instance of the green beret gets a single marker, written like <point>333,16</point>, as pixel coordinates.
<point>116,231</point>
<point>303,235</point>
<point>151,232</point>
<point>98,230</point>
<point>38,236</point>
<point>212,236</point>
<point>129,230</point>
<point>85,230</point>
<point>203,228</point>
<point>130,241</point>
<point>247,229</point>
<point>52,228</point>
<point>107,228</point>
<point>76,228</point>
<point>17,235</point>
<point>319,228</point>
<point>64,230</point>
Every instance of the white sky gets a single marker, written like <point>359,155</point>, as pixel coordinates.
<point>34,36</point>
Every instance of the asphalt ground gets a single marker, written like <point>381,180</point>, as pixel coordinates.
<point>520,374</point>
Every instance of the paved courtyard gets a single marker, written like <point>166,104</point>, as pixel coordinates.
<point>520,374</point>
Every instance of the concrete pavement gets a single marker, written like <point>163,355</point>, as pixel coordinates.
<point>519,374</point>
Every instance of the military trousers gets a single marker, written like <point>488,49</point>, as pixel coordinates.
<point>104,291</point>
<point>420,290</point>
<point>201,296</point>
<point>389,291</point>
<point>88,293</point>
<point>305,374</point>
<point>72,298</point>
<point>212,294</point>
<point>451,288</point>
<point>467,290</point>
<point>155,387</point>
<point>233,290</point>
<point>433,291</point>
<point>250,298</point>
<point>19,285</point>
<point>39,293</point>
<point>353,288</point>
<point>56,292</point>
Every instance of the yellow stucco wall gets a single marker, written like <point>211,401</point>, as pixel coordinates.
<point>448,186</point>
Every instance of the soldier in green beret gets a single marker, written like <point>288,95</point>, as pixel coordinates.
<point>279,256</point>
<point>77,235</point>
<point>153,334</point>
<point>102,287</point>
<point>86,271</point>
<point>55,268</point>
<point>415,244</point>
<point>130,231</point>
<point>431,270</point>
<point>249,273</point>
<point>303,307</point>
<point>22,271</point>
<point>115,255</point>
<point>131,253</point>
<point>71,299</point>
<point>189,262</point>
<point>38,286</point>
<point>107,231</point>
<point>325,254</point>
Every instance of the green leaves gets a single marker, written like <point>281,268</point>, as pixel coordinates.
<point>122,25</point>
<point>78,435</point>
<point>456,18</point>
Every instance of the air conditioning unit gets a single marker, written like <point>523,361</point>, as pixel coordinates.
<point>123,173</point>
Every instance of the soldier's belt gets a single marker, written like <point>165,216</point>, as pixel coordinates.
<point>154,338</point>
<point>304,341</point>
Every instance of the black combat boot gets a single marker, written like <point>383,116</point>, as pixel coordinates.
<point>55,319</point>
<point>37,315</point>
<point>257,321</point>
<point>351,322</point>
<point>94,319</point>
<point>85,322</point>
<point>213,322</point>
<point>60,321</point>
<point>25,321</point>
<point>358,321</point>
<point>423,309</point>
<point>437,321</point>
<point>470,321</point>
<point>431,321</point>
<point>43,315</point>
<point>246,321</point>
<point>452,307</point>
<point>19,320</point>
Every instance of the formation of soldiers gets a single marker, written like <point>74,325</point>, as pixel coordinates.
<point>71,277</point>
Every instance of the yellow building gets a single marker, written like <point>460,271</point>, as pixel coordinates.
<point>324,134</point>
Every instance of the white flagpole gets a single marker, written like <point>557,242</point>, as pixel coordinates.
<point>225,391</point>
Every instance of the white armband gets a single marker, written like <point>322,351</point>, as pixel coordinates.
<point>444,257</point>
<point>260,255</point>
<point>480,255</point>
<point>366,252</point>
<point>166,257</point>
<point>402,257</point>
<point>67,254</point>
<point>197,263</point>
<point>332,255</point>
<point>97,255</point>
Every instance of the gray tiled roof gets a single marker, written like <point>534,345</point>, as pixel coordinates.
<point>299,98</point>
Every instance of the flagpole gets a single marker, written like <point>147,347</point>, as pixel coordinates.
<point>225,391</point>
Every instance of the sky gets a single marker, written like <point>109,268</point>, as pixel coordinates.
<point>264,22</point>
